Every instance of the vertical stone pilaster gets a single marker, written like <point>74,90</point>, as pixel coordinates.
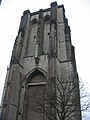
<point>52,58</point>
<point>52,40</point>
<point>54,11</point>
<point>24,20</point>
<point>38,46</point>
<point>25,33</point>
<point>53,27</point>
<point>10,102</point>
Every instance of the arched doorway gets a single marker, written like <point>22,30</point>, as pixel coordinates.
<point>35,96</point>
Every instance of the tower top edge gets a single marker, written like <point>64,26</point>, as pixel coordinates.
<point>44,10</point>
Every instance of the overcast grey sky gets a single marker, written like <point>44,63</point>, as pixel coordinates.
<point>78,14</point>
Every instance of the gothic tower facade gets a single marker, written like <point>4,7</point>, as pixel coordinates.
<point>42,80</point>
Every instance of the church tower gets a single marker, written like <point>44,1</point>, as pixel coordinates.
<point>42,80</point>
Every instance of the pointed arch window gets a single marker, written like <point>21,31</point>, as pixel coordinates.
<point>46,33</point>
<point>33,37</point>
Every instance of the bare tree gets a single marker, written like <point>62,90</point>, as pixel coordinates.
<point>61,99</point>
<point>85,100</point>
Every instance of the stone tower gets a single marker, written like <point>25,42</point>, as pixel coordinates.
<point>42,80</point>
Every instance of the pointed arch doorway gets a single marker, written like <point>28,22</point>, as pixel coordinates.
<point>36,96</point>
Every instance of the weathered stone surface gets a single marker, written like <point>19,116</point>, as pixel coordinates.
<point>42,53</point>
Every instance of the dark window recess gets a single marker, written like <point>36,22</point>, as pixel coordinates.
<point>48,33</point>
<point>34,37</point>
